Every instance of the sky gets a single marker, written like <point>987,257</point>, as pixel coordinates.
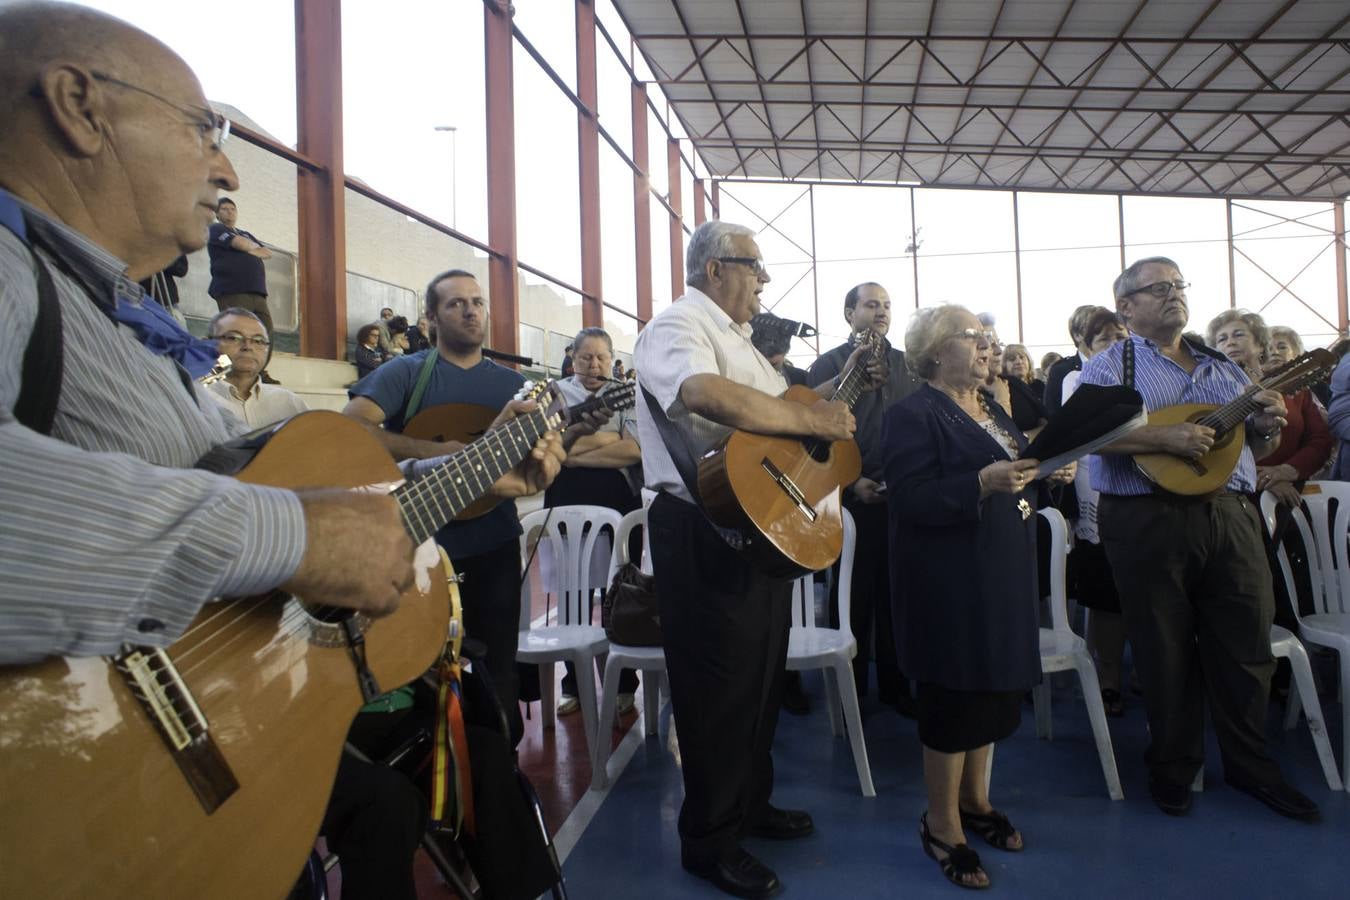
<point>413,65</point>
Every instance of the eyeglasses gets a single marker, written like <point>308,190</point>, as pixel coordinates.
<point>234,339</point>
<point>213,127</point>
<point>975,334</point>
<point>756,265</point>
<point>1162,289</point>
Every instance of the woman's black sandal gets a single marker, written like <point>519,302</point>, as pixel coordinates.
<point>994,827</point>
<point>960,862</point>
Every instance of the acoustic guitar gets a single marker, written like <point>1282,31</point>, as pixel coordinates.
<point>204,770</point>
<point>1209,473</point>
<point>465,422</point>
<point>782,493</point>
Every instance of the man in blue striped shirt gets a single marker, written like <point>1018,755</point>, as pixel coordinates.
<point>1191,571</point>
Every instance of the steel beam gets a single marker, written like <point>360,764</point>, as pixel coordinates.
<point>1342,303</point>
<point>319,192</point>
<point>676,182</point>
<point>588,174</point>
<point>700,204</point>
<point>642,204</point>
<point>716,199</point>
<point>503,273</point>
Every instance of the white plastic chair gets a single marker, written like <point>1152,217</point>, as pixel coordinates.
<point>1330,625</point>
<point>650,661</point>
<point>832,650</point>
<point>1061,650</point>
<point>570,638</point>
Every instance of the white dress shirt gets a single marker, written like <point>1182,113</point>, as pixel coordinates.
<point>693,336</point>
<point>264,404</point>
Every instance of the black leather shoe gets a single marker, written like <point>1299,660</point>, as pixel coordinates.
<point>1283,798</point>
<point>1173,799</point>
<point>783,824</point>
<point>736,873</point>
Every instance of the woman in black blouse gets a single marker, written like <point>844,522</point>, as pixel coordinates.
<point>368,355</point>
<point>963,577</point>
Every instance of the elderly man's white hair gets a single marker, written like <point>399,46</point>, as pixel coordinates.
<point>709,241</point>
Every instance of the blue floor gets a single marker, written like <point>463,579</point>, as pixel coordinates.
<point>1079,842</point>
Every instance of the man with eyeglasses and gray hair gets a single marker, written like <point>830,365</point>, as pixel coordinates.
<point>724,624</point>
<point>1191,572</point>
<point>241,336</point>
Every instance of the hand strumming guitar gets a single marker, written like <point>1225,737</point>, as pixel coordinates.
<point>537,470</point>
<point>831,420</point>
<point>1185,439</point>
<point>357,553</point>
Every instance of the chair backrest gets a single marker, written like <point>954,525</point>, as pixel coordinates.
<point>803,588</point>
<point>1323,522</point>
<point>620,557</point>
<point>1059,552</point>
<point>572,532</point>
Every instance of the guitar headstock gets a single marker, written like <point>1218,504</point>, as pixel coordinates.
<point>552,404</point>
<point>1308,369</point>
<point>619,398</point>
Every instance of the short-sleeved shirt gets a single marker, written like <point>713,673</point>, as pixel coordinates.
<point>488,384</point>
<point>233,271</point>
<point>871,407</point>
<point>1161,382</point>
<point>693,336</point>
<point>264,404</point>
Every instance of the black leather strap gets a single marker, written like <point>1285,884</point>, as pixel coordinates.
<point>43,358</point>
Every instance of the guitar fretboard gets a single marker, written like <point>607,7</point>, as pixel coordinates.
<point>447,490</point>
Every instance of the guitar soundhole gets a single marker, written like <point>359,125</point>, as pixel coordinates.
<point>817,450</point>
<point>333,615</point>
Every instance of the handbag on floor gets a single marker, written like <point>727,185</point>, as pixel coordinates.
<point>630,613</point>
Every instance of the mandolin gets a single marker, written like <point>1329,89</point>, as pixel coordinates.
<point>465,422</point>
<point>1209,473</point>
<point>782,493</point>
<point>204,770</point>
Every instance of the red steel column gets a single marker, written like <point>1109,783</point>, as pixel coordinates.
<point>1232,261</point>
<point>588,176</point>
<point>700,207</point>
<point>676,220</point>
<point>716,199</point>
<point>322,286</point>
<point>1342,301</point>
<point>503,287</point>
<point>642,206</point>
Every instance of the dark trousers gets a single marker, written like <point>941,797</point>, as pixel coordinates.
<point>870,601</point>
<point>1196,595</point>
<point>375,816</point>
<point>725,628</point>
<point>490,596</point>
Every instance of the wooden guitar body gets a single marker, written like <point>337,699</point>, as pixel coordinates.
<point>463,422</point>
<point>748,481</point>
<point>95,804</point>
<point>1192,478</point>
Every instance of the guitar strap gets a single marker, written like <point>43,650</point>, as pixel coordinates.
<point>420,388</point>
<point>43,358</point>
<point>680,454</point>
<point>1127,363</point>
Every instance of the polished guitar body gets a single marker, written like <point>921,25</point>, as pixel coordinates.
<point>462,422</point>
<point>1208,474</point>
<point>97,804</point>
<point>783,497</point>
<point>467,422</point>
<point>783,493</point>
<point>1192,477</point>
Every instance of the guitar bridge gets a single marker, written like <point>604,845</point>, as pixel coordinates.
<point>788,487</point>
<point>155,682</point>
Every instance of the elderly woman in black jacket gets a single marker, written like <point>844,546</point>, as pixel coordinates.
<point>963,577</point>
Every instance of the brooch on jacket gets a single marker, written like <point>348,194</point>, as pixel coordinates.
<point>1025,509</point>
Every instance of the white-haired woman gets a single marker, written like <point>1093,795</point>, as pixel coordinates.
<point>963,578</point>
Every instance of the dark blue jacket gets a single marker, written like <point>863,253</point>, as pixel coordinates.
<point>963,570</point>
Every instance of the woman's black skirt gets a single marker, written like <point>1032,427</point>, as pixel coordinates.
<point>952,721</point>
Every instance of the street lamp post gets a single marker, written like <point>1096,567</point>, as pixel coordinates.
<point>454,211</point>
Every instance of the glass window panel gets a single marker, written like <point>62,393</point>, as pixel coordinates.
<point>261,94</point>
<point>1194,233</point>
<point>864,226</point>
<point>965,253</point>
<point>661,296</point>
<point>1284,260</point>
<point>623,331</point>
<point>614,95</point>
<point>618,242</point>
<point>551,28</point>
<point>556,312</point>
<point>391,113</point>
<point>1070,256</point>
<point>390,259</point>
<point>548,204</point>
<point>780,214</point>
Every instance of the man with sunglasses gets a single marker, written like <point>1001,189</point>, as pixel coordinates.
<point>1191,572</point>
<point>240,335</point>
